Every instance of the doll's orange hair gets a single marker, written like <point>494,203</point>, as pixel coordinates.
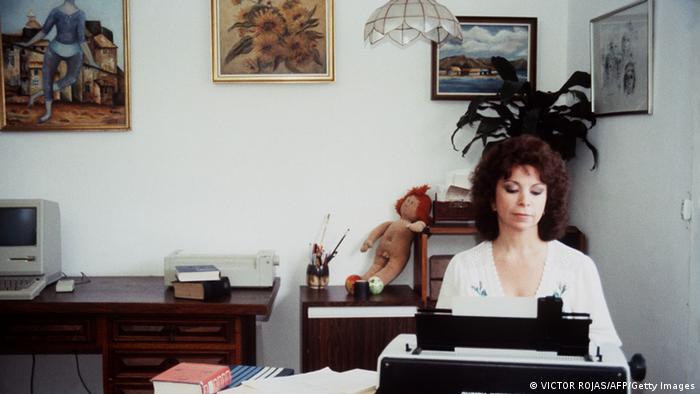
<point>424,202</point>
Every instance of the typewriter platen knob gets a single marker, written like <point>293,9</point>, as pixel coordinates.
<point>638,367</point>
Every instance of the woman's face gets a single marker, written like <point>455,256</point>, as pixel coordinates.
<point>520,199</point>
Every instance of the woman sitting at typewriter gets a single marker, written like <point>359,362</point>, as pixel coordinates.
<point>519,191</point>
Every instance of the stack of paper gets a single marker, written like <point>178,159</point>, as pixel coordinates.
<point>323,381</point>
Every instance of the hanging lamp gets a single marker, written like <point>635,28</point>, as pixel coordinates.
<point>405,20</point>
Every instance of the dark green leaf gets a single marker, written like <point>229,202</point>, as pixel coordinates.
<point>317,57</point>
<point>594,151</point>
<point>530,120</point>
<point>241,24</point>
<point>509,89</point>
<point>469,116</point>
<point>311,13</point>
<point>578,78</point>
<point>504,68</point>
<point>488,126</point>
<point>245,45</point>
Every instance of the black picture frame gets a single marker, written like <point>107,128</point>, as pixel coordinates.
<point>462,71</point>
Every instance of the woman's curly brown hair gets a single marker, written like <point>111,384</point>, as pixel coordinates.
<point>498,162</point>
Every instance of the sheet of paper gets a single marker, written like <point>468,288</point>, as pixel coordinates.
<point>322,381</point>
<point>495,306</point>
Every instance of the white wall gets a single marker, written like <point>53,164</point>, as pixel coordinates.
<point>630,207</point>
<point>694,304</point>
<point>237,168</point>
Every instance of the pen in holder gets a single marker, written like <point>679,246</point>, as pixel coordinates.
<point>317,276</point>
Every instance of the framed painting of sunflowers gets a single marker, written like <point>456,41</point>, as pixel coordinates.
<point>272,41</point>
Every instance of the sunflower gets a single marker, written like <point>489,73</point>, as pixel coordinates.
<point>266,48</point>
<point>268,21</point>
<point>296,17</point>
<point>298,49</point>
<point>289,4</point>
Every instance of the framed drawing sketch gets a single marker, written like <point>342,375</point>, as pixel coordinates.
<point>65,65</point>
<point>463,71</point>
<point>621,60</point>
<point>280,41</point>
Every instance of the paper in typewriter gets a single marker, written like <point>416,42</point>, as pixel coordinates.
<point>525,307</point>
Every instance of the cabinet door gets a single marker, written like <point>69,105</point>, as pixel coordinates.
<point>132,388</point>
<point>347,343</point>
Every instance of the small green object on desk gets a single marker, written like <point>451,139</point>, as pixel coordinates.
<point>375,285</point>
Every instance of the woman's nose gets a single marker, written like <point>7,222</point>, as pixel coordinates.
<point>523,199</point>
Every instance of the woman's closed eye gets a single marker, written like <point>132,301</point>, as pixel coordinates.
<point>511,188</point>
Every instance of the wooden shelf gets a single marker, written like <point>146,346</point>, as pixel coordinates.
<point>421,271</point>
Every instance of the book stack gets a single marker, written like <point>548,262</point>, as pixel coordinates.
<point>200,282</point>
<point>192,378</point>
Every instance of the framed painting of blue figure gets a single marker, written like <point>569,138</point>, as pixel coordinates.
<point>463,70</point>
<point>65,65</point>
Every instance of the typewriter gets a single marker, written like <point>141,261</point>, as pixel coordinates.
<point>485,354</point>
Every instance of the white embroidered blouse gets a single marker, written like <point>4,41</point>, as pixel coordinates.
<point>568,274</point>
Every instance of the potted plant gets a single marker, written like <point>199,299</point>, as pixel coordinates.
<point>519,109</point>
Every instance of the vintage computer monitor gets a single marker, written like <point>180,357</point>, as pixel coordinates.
<point>30,247</point>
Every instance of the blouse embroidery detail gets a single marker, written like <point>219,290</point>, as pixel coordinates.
<point>480,291</point>
<point>560,291</point>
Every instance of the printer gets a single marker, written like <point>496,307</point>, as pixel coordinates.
<point>455,354</point>
<point>254,270</point>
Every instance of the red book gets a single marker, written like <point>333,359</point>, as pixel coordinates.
<point>192,378</point>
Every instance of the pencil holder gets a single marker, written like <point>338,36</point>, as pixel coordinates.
<point>317,276</point>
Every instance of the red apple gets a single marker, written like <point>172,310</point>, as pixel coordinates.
<point>350,283</point>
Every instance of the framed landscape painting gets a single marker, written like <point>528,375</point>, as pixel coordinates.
<point>621,60</point>
<point>463,71</point>
<point>65,65</point>
<point>272,41</point>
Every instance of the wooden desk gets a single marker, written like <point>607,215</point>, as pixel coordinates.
<point>137,325</point>
<point>341,333</point>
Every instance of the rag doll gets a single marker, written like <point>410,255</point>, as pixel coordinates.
<point>396,236</point>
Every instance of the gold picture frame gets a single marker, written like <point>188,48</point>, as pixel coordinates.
<point>84,95</point>
<point>272,41</point>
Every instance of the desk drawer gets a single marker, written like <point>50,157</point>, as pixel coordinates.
<point>132,388</point>
<point>145,365</point>
<point>165,330</point>
<point>47,330</point>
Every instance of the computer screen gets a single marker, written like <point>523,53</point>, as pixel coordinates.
<point>18,226</point>
<point>30,238</point>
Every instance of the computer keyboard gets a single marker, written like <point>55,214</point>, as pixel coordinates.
<point>21,287</point>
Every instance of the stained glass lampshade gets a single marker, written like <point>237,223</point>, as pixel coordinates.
<point>405,20</point>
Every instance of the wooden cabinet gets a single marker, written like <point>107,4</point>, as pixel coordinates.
<point>341,333</point>
<point>138,326</point>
